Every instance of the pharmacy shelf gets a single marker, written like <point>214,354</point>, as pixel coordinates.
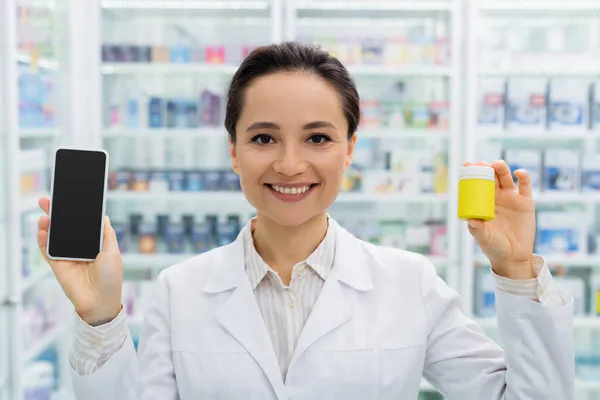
<point>383,5</point>
<point>115,133</point>
<point>223,69</point>
<point>153,261</point>
<point>185,4</point>
<point>401,133</point>
<point>562,260</point>
<point>579,323</point>
<point>38,133</point>
<point>41,63</point>
<point>239,196</point>
<point>541,5</point>
<point>219,132</point>
<point>42,343</point>
<point>41,275</point>
<point>166,69</point>
<point>566,197</point>
<point>558,135</point>
<point>29,202</point>
<point>556,69</point>
<point>390,70</point>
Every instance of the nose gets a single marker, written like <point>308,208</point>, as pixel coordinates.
<point>290,161</point>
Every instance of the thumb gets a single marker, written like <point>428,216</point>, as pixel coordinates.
<point>109,242</point>
<point>478,230</point>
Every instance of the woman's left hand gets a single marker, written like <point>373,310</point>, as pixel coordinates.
<point>508,240</point>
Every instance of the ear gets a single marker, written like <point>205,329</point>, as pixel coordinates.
<point>350,153</point>
<point>233,154</point>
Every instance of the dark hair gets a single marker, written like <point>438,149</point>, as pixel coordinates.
<point>292,56</point>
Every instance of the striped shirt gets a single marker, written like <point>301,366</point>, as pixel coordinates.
<point>285,309</point>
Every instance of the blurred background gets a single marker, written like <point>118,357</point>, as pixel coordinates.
<point>440,82</point>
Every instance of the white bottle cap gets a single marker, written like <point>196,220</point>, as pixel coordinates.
<point>477,172</point>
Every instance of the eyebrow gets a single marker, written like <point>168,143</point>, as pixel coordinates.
<point>271,125</point>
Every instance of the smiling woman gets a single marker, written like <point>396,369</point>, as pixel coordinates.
<point>298,308</point>
<point>291,118</point>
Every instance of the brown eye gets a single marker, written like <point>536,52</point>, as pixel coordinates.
<point>263,139</point>
<point>319,139</point>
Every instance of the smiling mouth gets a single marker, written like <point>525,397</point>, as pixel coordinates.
<point>291,190</point>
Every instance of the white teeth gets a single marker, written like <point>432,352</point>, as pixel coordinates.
<point>288,190</point>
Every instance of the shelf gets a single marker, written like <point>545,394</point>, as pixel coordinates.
<point>561,260</point>
<point>566,197</point>
<point>29,202</point>
<point>152,261</point>
<point>43,273</point>
<point>545,71</point>
<point>239,196</point>
<point>191,133</point>
<point>353,5</point>
<point>219,132</point>
<point>42,343</point>
<point>541,5</point>
<point>197,196</point>
<point>38,133</point>
<point>579,323</point>
<point>186,5</point>
<point>41,63</point>
<point>555,135</point>
<point>401,133</point>
<point>166,68</point>
<point>390,70</point>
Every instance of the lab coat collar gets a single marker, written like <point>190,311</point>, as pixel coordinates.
<point>240,316</point>
<point>350,264</point>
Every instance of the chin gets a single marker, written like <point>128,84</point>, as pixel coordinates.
<point>290,219</point>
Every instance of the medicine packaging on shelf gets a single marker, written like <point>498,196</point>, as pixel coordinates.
<point>569,99</point>
<point>526,104</point>
<point>562,170</point>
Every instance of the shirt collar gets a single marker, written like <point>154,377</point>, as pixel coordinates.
<point>321,260</point>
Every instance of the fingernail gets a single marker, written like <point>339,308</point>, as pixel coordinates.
<point>471,224</point>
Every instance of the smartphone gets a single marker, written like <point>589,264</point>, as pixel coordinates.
<point>77,206</point>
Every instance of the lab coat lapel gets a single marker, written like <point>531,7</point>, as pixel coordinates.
<point>240,315</point>
<point>332,309</point>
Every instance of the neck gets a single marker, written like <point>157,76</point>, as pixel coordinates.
<point>282,247</point>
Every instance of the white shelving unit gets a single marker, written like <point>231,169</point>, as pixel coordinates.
<point>85,110</point>
<point>507,66</point>
<point>15,300</point>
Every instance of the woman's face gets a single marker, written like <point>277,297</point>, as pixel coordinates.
<point>292,146</point>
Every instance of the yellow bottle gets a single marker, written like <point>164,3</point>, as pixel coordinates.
<point>476,193</point>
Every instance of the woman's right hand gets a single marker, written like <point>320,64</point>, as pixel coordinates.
<point>94,288</point>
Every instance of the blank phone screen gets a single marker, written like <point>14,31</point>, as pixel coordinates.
<point>77,204</point>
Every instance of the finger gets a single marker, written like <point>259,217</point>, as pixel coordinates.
<point>109,242</point>
<point>44,223</point>
<point>44,203</point>
<point>42,238</point>
<point>467,164</point>
<point>524,182</point>
<point>479,231</point>
<point>505,178</point>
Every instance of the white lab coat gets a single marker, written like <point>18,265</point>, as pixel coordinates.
<point>383,320</point>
